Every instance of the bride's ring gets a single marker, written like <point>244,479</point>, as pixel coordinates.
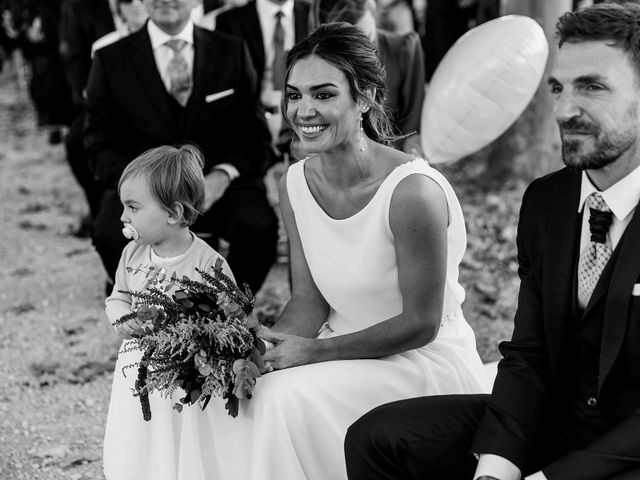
<point>268,367</point>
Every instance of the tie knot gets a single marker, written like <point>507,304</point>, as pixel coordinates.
<point>600,217</point>
<point>176,44</point>
<point>279,14</point>
<point>595,201</point>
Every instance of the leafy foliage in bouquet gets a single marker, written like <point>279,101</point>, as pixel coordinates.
<point>200,339</point>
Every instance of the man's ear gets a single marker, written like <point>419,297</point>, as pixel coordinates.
<point>176,213</point>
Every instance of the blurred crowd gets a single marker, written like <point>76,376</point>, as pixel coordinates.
<point>57,40</point>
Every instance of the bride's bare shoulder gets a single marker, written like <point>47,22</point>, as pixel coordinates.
<point>389,158</point>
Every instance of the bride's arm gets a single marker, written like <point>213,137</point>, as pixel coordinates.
<point>307,310</point>
<point>418,220</point>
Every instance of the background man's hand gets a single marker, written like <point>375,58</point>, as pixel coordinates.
<point>216,183</point>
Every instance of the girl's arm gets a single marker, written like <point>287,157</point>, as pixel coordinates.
<point>307,310</point>
<point>118,304</point>
<point>418,220</point>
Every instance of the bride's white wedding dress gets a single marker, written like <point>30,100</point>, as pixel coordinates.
<point>294,426</point>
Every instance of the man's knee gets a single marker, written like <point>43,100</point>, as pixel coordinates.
<point>367,433</point>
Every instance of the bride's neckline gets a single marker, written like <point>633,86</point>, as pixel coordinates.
<point>367,205</point>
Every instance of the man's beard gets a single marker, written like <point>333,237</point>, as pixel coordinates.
<point>607,146</point>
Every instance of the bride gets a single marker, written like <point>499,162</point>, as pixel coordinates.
<point>376,238</point>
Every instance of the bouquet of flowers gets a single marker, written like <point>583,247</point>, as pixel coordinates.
<point>200,339</point>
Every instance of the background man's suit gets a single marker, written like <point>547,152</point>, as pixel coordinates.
<point>567,394</point>
<point>83,22</point>
<point>129,111</point>
<point>244,22</point>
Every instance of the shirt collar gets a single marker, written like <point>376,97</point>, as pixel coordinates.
<point>621,197</point>
<point>159,38</point>
<point>268,9</point>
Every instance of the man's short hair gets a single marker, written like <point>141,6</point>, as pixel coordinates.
<point>617,23</point>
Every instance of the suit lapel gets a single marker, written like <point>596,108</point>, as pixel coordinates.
<point>624,272</point>
<point>203,64</point>
<point>144,64</point>
<point>561,247</point>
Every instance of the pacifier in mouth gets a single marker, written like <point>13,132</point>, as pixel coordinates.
<point>130,232</point>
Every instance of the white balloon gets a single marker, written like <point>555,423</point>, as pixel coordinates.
<point>481,86</point>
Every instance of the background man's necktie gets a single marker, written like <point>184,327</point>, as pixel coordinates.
<point>594,258</point>
<point>178,72</point>
<point>279,57</point>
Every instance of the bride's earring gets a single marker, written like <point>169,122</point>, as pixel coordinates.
<point>363,144</point>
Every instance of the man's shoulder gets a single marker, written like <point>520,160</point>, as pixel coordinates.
<point>557,182</point>
<point>236,14</point>
<point>544,193</point>
<point>219,39</point>
<point>121,47</point>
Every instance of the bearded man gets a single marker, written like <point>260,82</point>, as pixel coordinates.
<point>566,400</point>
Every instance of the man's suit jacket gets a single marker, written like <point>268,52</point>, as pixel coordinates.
<point>82,23</point>
<point>244,22</point>
<point>129,110</point>
<point>529,382</point>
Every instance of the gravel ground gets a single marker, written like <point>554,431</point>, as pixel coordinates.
<point>57,350</point>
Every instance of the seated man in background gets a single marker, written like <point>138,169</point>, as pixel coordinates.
<point>269,28</point>
<point>172,82</point>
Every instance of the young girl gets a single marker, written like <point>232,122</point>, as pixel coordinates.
<point>162,192</point>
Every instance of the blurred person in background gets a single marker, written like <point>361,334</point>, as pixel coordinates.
<point>83,22</point>
<point>33,27</point>
<point>269,28</point>
<point>397,16</point>
<point>402,58</point>
<point>448,20</point>
<point>172,82</point>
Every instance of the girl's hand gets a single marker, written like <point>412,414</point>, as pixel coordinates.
<point>288,351</point>
<point>130,329</point>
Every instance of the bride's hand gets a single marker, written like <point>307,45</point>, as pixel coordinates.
<point>288,351</point>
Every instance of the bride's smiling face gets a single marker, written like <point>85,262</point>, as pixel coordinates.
<point>320,107</point>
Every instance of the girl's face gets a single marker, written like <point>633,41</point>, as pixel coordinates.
<point>141,210</point>
<point>320,107</point>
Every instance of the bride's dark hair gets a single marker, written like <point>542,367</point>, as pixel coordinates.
<point>350,51</point>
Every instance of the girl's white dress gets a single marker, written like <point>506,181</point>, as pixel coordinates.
<point>135,449</point>
<point>294,426</point>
